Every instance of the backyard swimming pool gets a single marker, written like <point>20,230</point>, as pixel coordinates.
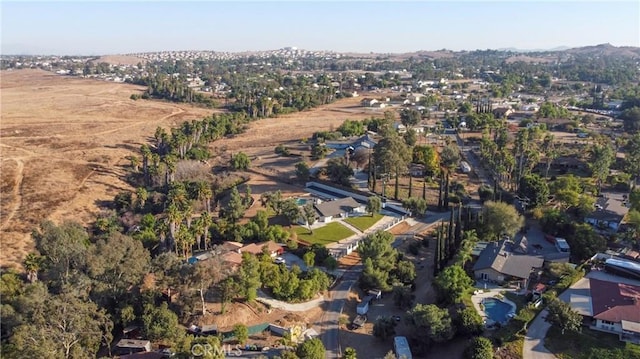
<point>497,310</point>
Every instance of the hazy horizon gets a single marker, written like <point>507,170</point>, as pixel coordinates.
<point>98,28</point>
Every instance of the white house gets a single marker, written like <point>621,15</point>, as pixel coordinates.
<point>610,210</point>
<point>610,307</point>
<point>339,208</point>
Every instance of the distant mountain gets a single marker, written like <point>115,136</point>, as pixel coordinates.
<point>605,50</point>
<point>513,49</point>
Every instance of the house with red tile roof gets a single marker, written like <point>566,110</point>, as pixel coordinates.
<point>615,308</point>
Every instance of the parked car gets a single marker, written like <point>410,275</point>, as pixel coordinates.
<point>279,260</point>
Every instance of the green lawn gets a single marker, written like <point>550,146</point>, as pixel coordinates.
<point>330,233</point>
<point>363,222</point>
<point>578,345</point>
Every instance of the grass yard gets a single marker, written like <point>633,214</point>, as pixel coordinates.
<point>330,233</point>
<point>363,222</point>
<point>580,345</point>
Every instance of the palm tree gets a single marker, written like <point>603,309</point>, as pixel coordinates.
<point>32,264</point>
<point>198,230</point>
<point>469,240</point>
<point>162,228</point>
<point>207,221</point>
<point>171,162</point>
<point>188,214</point>
<point>204,194</point>
<point>135,163</point>
<point>146,155</point>
<point>184,241</point>
<point>174,216</point>
<point>141,197</point>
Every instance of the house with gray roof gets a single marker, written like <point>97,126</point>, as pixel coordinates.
<point>610,210</point>
<point>499,263</point>
<point>339,208</point>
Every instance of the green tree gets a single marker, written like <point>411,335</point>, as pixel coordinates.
<point>377,247</point>
<point>392,155</point>
<point>631,118</point>
<point>240,161</point>
<point>479,348</point>
<point>249,275</point>
<point>309,214</point>
<point>161,324</point>
<point>338,171</point>
<point>311,349</point>
<point>410,117</point>
<point>302,171</point>
<point>562,316</point>
<point>349,353</point>
<point>585,242</point>
<point>226,291</point>
<point>452,283</point>
<point>427,156</point>
<point>469,322</point>
<point>309,258</point>
<point>602,157</point>
<point>32,264</point>
<point>241,332</point>
<point>61,326</point>
<point>535,189</point>
<point>235,208</point>
<point>373,277</point>
<point>405,271</point>
<point>428,323</point>
<point>290,209</point>
<point>500,218</point>
<point>64,248</point>
<point>116,264</point>
<point>384,328</point>
<point>402,297</point>
<point>374,205</point>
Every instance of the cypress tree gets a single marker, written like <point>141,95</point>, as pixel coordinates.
<point>436,257</point>
<point>446,192</point>
<point>450,241</point>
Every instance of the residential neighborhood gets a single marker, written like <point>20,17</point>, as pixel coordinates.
<point>311,204</point>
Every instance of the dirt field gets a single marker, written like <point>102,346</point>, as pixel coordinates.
<point>65,140</point>
<point>64,144</point>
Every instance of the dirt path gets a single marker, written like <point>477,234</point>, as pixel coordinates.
<point>17,192</point>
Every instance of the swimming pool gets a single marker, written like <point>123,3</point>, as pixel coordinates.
<point>301,201</point>
<point>497,310</point>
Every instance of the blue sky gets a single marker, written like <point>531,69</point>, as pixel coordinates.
<point>92,28</point>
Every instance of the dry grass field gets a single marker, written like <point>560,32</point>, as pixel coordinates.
<point>64,143</point>
<point>64,146</point>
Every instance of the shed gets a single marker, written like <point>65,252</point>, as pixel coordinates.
<point>132,346</point>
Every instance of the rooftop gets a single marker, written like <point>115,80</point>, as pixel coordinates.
<point>615,302</point>
<point>500,257</point>
<point>334,208</point>
<point>610,207</point>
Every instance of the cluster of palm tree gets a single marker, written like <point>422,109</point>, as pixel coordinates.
<point>511,163</point>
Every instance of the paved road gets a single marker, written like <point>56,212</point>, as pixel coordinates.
<point>329,323</point>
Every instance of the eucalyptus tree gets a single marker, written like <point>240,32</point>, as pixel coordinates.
<point>602,157</point>
<point>392,154</point>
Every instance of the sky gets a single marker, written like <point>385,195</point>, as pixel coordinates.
<point>121,27</point>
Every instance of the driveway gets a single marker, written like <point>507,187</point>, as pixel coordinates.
<point>329,322</point>
<point>534,340</point>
